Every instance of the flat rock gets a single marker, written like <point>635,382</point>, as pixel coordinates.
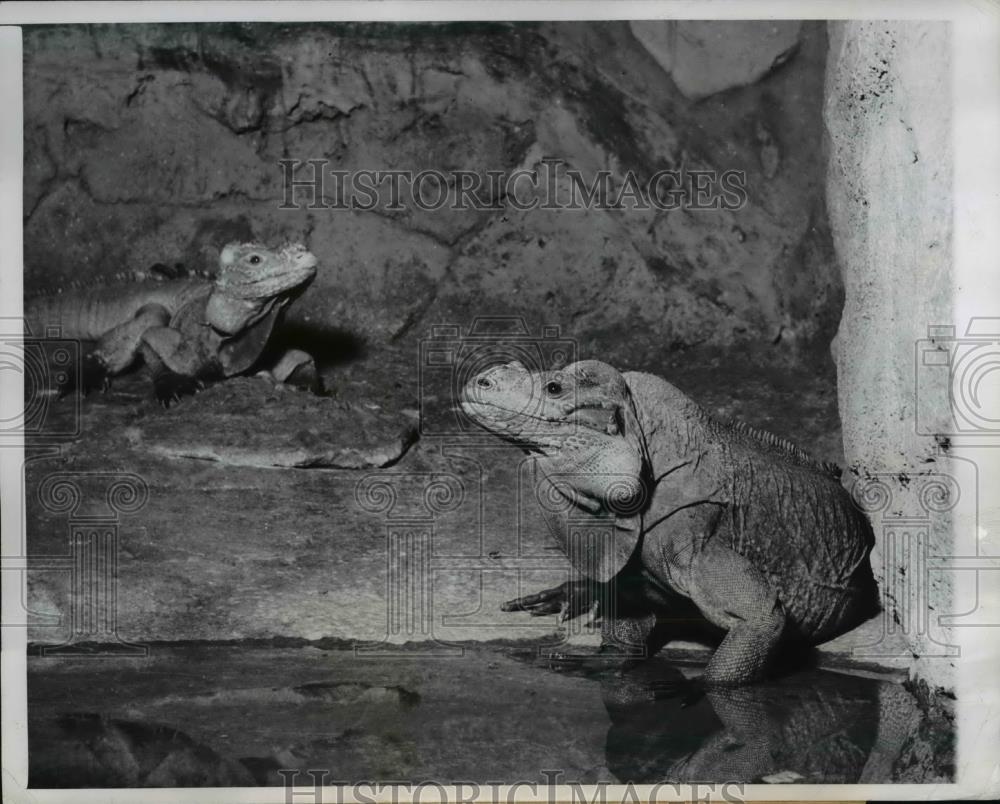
<point>250,421</point>
<point>215,551</point>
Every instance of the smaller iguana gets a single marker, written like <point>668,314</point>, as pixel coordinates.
<point>188,331</point>
<point>672,514</point>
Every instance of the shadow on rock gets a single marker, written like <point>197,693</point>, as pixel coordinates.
<point>329,346</point>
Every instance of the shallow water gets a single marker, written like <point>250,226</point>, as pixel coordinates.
<point>240,714</point>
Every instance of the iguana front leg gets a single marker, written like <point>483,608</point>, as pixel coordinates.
<point>733,594</point>
<point>179,367</point>
<point>626,631</point>
<point>297,368</point>
<point>570,600</point>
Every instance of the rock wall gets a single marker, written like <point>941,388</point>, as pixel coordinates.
<point>704,57</point>
<point>160,143</point>
<point>890,201</point>
<point>153,144</point>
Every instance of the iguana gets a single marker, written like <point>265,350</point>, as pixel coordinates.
<point>189,330</point>
<point>745,529</point>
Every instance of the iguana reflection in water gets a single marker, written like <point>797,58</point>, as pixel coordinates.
<point>811,727</point>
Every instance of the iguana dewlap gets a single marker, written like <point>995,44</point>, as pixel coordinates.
<point>187,331</point>
<point>760,538</point>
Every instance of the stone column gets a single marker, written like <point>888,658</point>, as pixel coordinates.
<point>889,192</point>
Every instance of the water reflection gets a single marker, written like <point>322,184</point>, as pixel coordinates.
<point>810,727</point>
<point>87,750</point>
<point>493,715</point>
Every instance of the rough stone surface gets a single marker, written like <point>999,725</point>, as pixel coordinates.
<point>706,57</point>
<point>155,143</point>
<point>888,122</point>
<point>215,551</point>
<point>249,421</point>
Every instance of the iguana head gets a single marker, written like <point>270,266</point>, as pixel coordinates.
<point>252,278</point>
<point>579,420</point>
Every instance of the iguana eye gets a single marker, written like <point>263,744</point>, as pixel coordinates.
<point>255,260</point>
<point>553,388</point>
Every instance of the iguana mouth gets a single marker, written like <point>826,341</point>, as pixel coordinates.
<point>267,286</point>
<point>511,414</point>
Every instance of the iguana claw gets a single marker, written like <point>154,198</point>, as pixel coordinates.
<point>170,387</point>
<point>307,378</point>
<point>570,600</point>
<point>92,376</point>
<point>688,690</point>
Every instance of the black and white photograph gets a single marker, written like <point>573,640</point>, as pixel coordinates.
<point>500,402</point>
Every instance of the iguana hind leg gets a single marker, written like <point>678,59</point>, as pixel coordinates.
<point>117,349</point>
<point>733,594</point>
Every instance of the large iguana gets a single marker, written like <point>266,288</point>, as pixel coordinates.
<point>189,330</point>
<point>759,537</point>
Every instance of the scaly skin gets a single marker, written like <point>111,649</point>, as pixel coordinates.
<point>187,331</point>
<point>759,538</point>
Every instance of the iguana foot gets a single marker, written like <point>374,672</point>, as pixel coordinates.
<point>170,387</point>
<point>649,682</point>
<point>92,376</point>
<point>306,378</point>
<point>586,664</point>
<point>298,369</point>
<point>619,662</point>
<point>570,600</point>
<point>688,690</point>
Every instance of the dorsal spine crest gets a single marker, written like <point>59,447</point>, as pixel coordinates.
<point>782,445</point>
<point>121,278</point>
